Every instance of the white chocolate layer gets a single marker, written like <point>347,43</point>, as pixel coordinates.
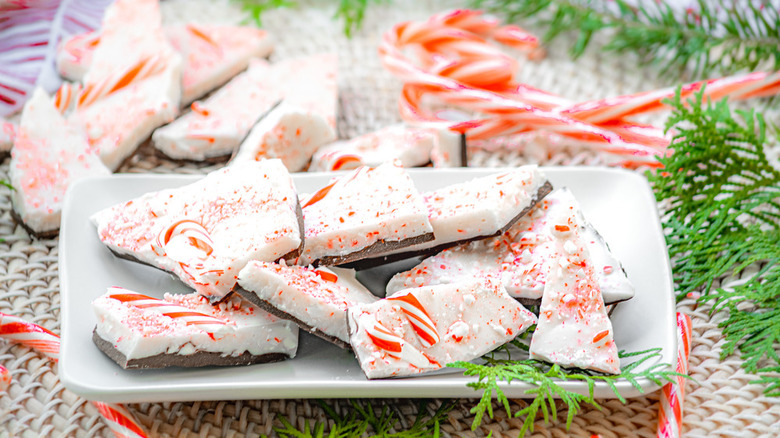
<point>144,332</point>
<point>361,208</point>
<point>411,145</point>
<point>318,297</point>
<point>517,257</point>
<point>574,329</point>
<point>48,155</point>
<point>289,133</point>
<point>216,126</point>
<point>207,231</point>
<point>468,320</point>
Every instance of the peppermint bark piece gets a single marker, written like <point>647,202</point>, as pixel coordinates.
<point>216,126</point>
<point>49,154</point>
<point>367,211</point>
<point>138,331</point>
<point>133,84</point>
<point>483,207</point>
<point>206,232</point>
<point>423,329</point>
<point>574,329</point>
<point>316,299</point>
<point>211,54</point>
<point>518,257</point>
<point>289,133</point>
<point>214,54</point>
<point>411,145</point>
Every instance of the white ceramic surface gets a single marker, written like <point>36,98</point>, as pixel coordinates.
<point>618,203</point>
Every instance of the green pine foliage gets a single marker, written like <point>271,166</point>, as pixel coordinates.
<point>721,194</point>
<point>713,37</point>
<point>350,11</point>
<point>371,419</point>
<point>546,381</point>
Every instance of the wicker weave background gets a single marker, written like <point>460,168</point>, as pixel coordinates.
<point>723,404</point>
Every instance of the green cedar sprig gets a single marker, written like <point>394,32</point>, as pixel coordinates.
<point>362,418</point>
<point>351,11</point>
<point>713,37</point>
<point>546,380</point>
<point>721,194</point>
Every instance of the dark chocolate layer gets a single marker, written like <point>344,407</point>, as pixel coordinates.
<point>268,307</point>
<point>198,359</point>
<point>50,234</point>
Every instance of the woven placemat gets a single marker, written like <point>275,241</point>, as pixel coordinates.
<point>723,404</point>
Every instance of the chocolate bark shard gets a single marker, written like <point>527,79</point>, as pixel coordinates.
<point>207,231</point>
<point>49,154</point>
<point>366,207</point>
<point>316,299</point>
<point>423,329</point>
<point>440,244</point>
<point>137,330</point>
<point>574,329</point>
<point>517,258</point>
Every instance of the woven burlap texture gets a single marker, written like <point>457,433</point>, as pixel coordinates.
<point>722,404</point>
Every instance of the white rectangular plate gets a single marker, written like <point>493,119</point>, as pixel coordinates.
<point>618,203</point>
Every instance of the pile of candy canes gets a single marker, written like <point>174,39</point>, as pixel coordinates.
<point>453,59</point>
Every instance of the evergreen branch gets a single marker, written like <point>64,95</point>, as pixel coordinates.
<point>362,417</point>
<point>256,8</point>
<point>546,380</point>
<point>715,37</point>
<point>723,216</point>
<point>351,11</point>
<point>6,184</point>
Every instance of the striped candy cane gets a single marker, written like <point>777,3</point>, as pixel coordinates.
<point>670,412</point>
<point>15,329</point>
<point>188,316</point>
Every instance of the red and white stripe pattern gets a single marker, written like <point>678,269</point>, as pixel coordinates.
<point>31,335</point>
<point>383,338</point>
<point>119,419</point>
<point>395,346</point>
<point>143,69</point>
<point>204,322</point>
<point>66,96</point>
<point>670,412</point>
<point>195,234</point>
<point>418,317</point>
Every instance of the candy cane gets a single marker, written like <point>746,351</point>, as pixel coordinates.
<point>670,412</point>
<point>121,421</point>
<point>184,314</point>
<point>418,317</point>
<point>141,70</point>
<point>65,96</point>
<point>195,234</point>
